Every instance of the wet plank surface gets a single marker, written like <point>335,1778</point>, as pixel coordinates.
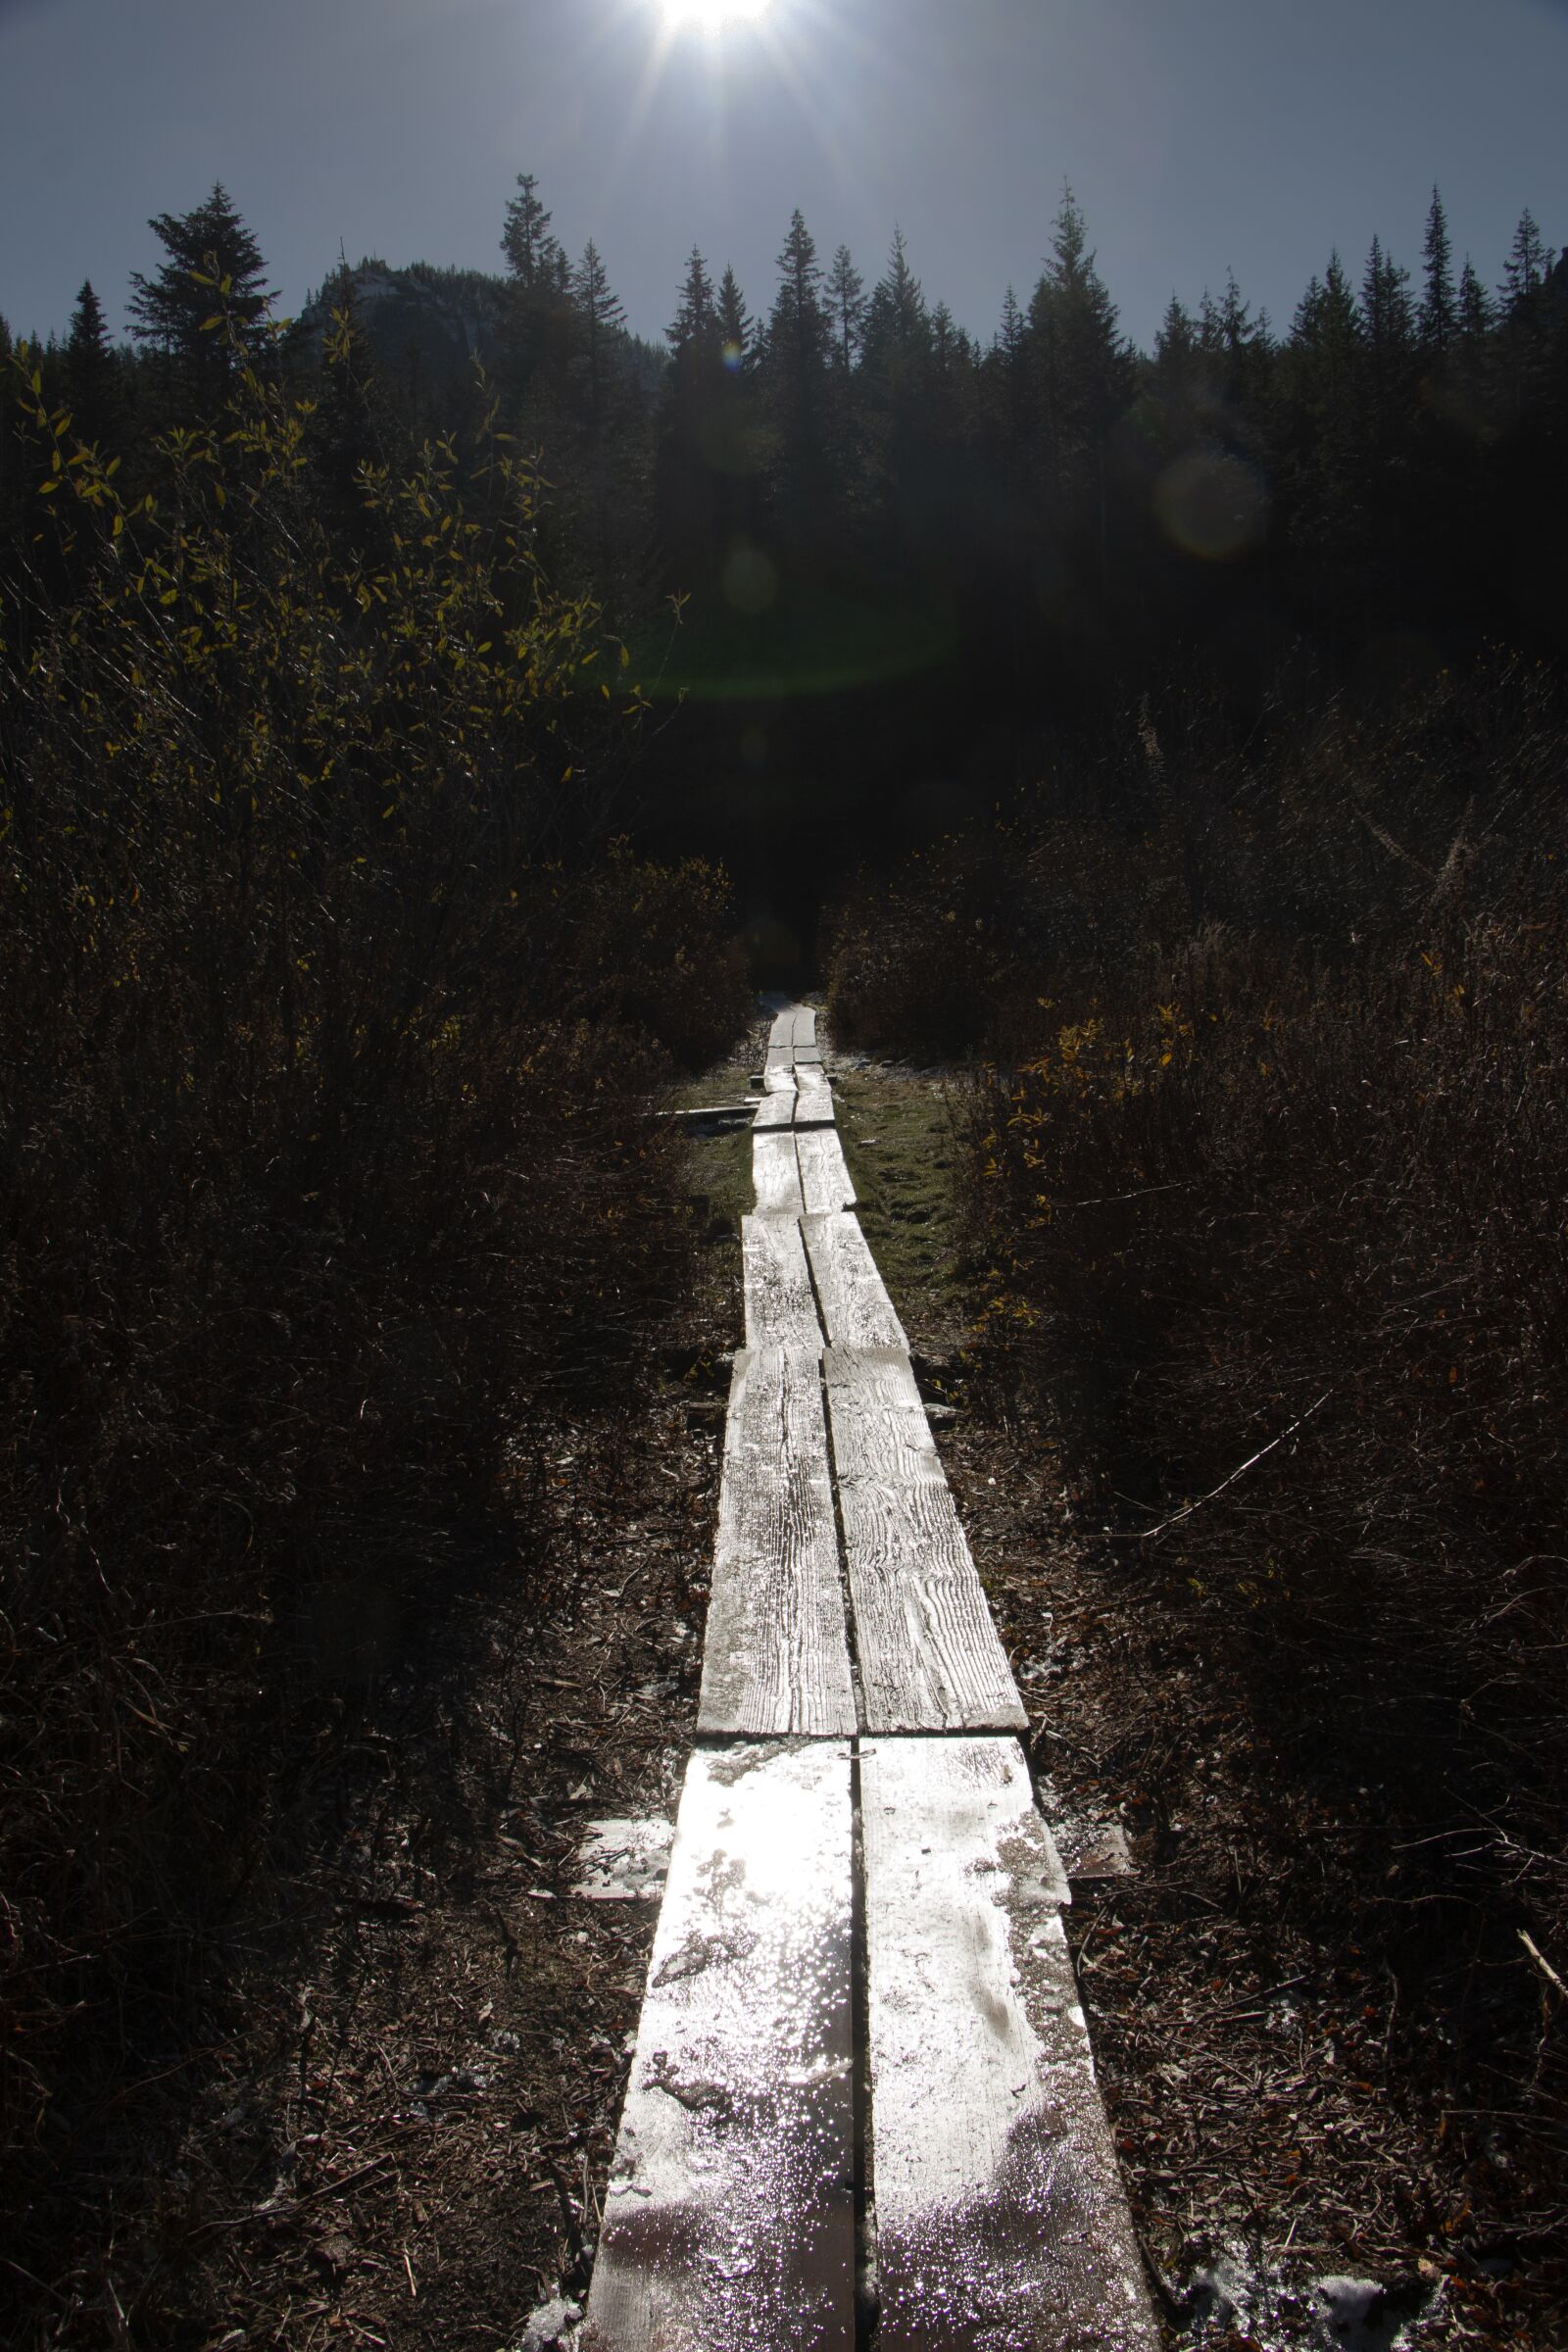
<point>856,1306</point>
<point>929,1656</point>
<point>730,2217</point>
<point>775,1173</point>
<point>1000,2221</point>
<point>781,1309</point>
<point>824,1178</point>
<point>775,1658</point>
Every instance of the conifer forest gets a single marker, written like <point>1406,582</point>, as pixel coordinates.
<point>425,724</point>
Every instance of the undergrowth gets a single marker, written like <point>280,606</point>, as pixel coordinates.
<point>1267,1149</point>
<point>333,1027</point>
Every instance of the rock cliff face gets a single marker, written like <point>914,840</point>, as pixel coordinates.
<point>428,326</point>
<point>434,321</point>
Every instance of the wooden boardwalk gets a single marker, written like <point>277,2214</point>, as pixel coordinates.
<point>863,2108</point>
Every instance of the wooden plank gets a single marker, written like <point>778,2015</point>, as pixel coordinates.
<point>930,1660</point>
<point>775,1658</point>
<point>779,1082</point>
<point>807,1057</point>
<point>781,1309</point>
<point>730,2215</point>
<point>805,1027</point>
<point>813,1101</point>
<point>779,1058</point>
<point>781,1035</point>
<point>1000,2218</point>
<point>855,1307</point>
<point>824,1178</point>
<point>774,1111</point>
<point>777,1174</point>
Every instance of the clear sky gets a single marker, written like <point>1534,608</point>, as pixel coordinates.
<point>1199,136</point>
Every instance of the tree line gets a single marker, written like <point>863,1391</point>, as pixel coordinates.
<point>1388,461</point>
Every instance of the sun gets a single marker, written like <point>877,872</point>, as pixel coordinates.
<point>711,17</point>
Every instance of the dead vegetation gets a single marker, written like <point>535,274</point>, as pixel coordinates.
<point>1266,1254</point>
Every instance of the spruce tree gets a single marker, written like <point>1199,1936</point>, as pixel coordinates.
<point>533,256</point>
<point>734,324</point>
<point>205,309</point>
<point>92,372</point>
<point>1524,273</point>
<point>1473,310</point>
<point>600,315</point>
<point>1083,368</point>
<point>1436,320</point>
<point>799,341</point>
<point>696,324</point>
<point>846,289</point>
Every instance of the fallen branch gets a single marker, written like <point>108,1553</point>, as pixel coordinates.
<point>1149,1533</point>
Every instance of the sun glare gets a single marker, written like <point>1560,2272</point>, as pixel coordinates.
<point>711,17</point>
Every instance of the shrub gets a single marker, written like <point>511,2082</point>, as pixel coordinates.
<point>326,1153</point>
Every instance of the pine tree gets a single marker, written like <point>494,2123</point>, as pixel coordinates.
<point>1436,320</point>
<point>533,256</point>
<point>215,272</point>
<point>92,372</point>
<point>846,295</point>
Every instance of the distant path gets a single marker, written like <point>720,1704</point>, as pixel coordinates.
<point>862,2106</point>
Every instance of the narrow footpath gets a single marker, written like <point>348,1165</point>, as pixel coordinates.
<point>863,2109</point>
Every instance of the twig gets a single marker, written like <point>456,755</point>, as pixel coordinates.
<point>1542,1962</point>
<point>1149,1533</point>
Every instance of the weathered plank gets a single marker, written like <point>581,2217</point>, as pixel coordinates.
<point>856,1306</point>
<point>778,1058</point>
<point>825,1179</point>
<point>804,1032</point>
<point>808,1057</point>
<point>775,1658</point>
<point>813,1099</point>
<point>782,1032</point>
<point>730,2217</point>
<point>777,1174</point>
<point>929,1655</point>
<point>780,1310</point>
<point>1001,2220</point>
<point>774,1111</point>
<point>779,1082</point>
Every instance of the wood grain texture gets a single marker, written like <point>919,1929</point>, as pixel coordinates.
<point>781,1309</point>
<point>824,1178</point>
<point>804,1032</point>
<point>929,1656</point>
<point>775,1112</point>
<point>1001,2220</point>
<point>781,1036</point>
<point>813,1099</point>
<point>779,1082</point>
<point>856,1306</point>
<point>779,1059</point>
<point>775,1173</point>
<point>775,1658</point>
<point>729,2221</point>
